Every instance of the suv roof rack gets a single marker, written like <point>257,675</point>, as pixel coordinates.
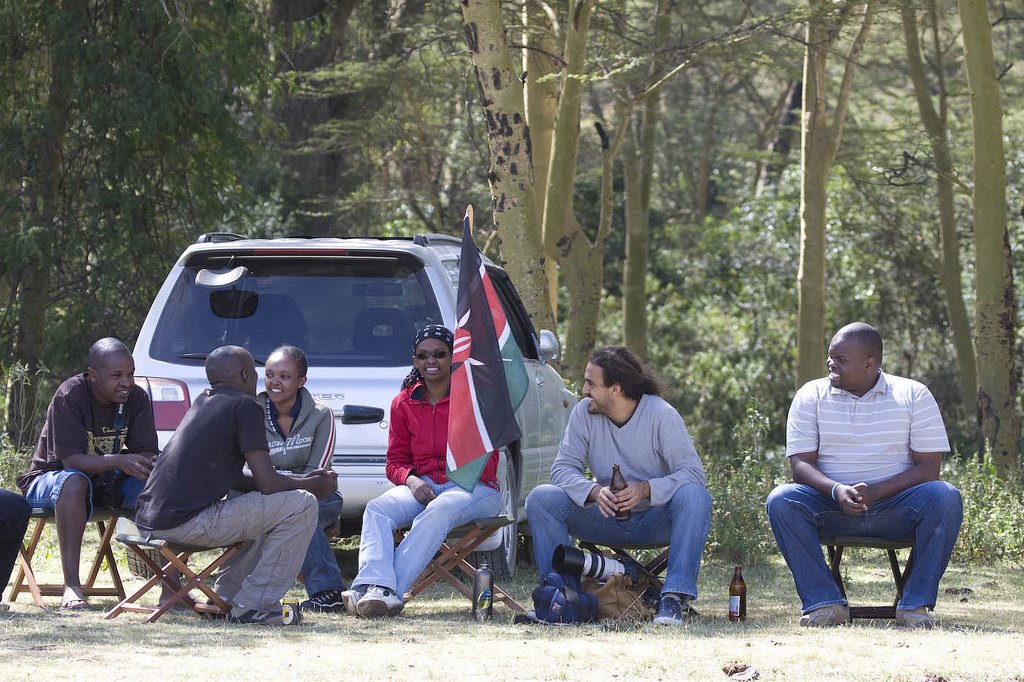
<point>217,237</point>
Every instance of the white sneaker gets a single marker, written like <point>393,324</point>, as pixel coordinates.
<point>379,602</point>
<point>352,596</point>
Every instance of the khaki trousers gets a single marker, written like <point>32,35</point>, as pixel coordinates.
<point>277,529</point>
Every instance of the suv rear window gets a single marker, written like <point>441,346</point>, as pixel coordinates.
<point>351,310</point>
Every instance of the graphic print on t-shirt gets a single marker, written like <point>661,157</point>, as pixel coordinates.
<point>102,444</point>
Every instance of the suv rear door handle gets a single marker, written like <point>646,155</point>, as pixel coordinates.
<point>360,414</point>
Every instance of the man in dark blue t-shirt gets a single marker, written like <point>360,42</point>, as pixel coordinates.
<point>183,500</point>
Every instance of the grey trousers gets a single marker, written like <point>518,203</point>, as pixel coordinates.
<point>276,528</point>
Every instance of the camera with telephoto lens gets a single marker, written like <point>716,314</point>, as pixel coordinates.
<point>584,564</point>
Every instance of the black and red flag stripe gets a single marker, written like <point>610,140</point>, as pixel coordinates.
<point>482,415</point>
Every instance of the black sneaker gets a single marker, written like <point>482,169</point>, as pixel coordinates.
<point>671,611</point>
<point>327,601</point>
<point>254,617</point>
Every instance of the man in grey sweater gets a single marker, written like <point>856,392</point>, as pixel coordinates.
<point>623,420</point>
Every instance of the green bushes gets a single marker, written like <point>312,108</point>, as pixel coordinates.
<point>13,463</point>
<point>18,435</point>
<point>739,526</point>
<point>993,527</point>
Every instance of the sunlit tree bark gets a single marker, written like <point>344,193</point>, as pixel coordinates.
<point>510,172</point>
<point>995,303</point>
<point>820,143</point>
<point>935,125</point>
<point>638,169</point>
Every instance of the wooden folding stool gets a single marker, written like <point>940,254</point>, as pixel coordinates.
<point>451,557</point>
<point>837,544</point>
<point>652,569</point>
<point>25,578</point>
<point>175,558</point>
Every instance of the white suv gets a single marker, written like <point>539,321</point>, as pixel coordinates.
<point>352,305</point>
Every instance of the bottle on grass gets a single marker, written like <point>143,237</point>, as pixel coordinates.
<point>737,597</point>
<point>483,592</point>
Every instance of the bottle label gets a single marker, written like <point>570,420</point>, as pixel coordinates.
<point>483,604</point>
<point>734,606</point>
<point>290,613</point>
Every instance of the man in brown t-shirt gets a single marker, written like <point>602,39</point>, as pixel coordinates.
<point>98,424</point>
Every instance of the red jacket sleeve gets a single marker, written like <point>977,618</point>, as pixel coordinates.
<point>399,462</point>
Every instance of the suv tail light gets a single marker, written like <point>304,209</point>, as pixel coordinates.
<point>170,400</point>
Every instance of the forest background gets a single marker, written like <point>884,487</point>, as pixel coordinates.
<point>719,185</point>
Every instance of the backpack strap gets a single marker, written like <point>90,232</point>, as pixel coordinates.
<point>571,595</point>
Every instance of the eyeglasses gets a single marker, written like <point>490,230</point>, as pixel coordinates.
<point>437,355</point>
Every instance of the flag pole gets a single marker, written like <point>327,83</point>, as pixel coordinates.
<point>469,217</point>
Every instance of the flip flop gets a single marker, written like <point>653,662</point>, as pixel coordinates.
<point>74,604</point>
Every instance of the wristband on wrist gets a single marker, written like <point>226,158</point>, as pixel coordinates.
<point>834,492</point>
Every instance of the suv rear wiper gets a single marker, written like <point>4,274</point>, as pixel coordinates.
<point>203,356</point>
<point>193,356</point>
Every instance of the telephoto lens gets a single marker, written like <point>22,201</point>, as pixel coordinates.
<point>584,564</point>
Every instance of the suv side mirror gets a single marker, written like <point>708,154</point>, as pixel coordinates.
<point>548,346</point>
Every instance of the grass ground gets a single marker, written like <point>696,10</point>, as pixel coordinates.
<point>980,637</point>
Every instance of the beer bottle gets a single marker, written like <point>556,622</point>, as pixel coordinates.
<point>617,485</point>
<point>737,597</point>
<point>483,592</point>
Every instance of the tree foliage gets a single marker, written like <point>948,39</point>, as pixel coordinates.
<point>128,129</point>
<point>123,129</point>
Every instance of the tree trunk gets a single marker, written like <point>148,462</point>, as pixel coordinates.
<point>584,265</point>
<point>995,306</point>
<point>562,233</point>
<point>320,175</point>
<point>702,189</point>
<point>820,143</point>
<point>510,173</point>
<point>786,122</point>
<point>634,272</point>
<point>541,94</point>
<point>935,124</point>
<point>638,197</point>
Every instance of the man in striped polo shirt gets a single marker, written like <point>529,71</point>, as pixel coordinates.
<point>865,448</point>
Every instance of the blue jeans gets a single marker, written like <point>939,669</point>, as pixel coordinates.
<point>44,490</point>
<point>930,513</point>
<point>683,524</point>
<point>14,515</point>
<point>320,567</point>
<point>383,564</point>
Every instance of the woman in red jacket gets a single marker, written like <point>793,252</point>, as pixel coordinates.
<point>416,459</point>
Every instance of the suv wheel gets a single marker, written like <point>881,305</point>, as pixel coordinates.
<point>503,558</point>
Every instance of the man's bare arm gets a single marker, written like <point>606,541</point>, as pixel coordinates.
<point>269,480</point>
<point>138,466</point>
<point>805,470</point>
<point>925,468</point>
